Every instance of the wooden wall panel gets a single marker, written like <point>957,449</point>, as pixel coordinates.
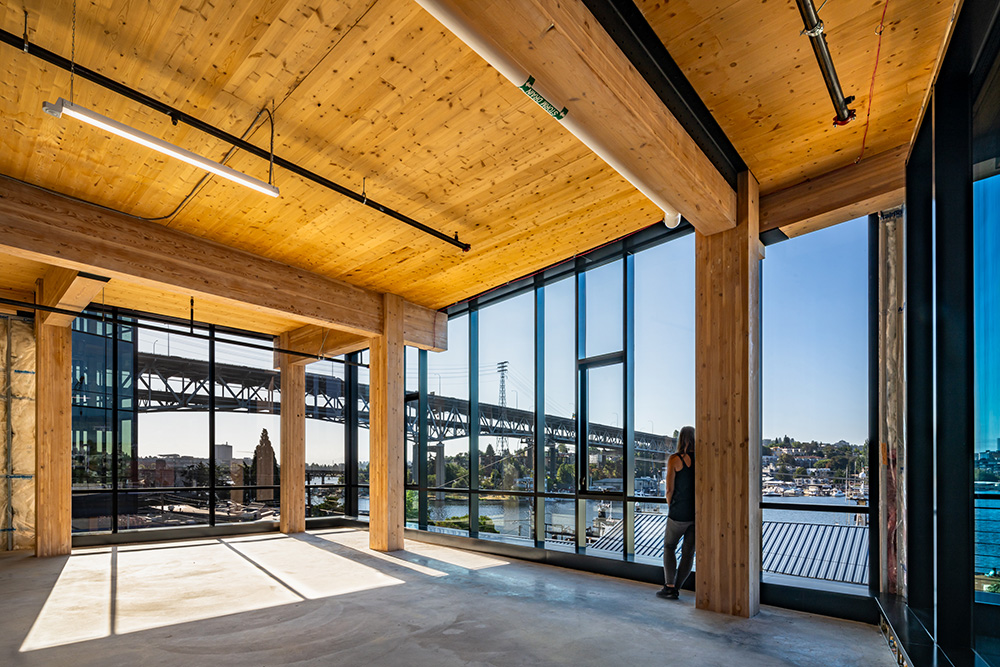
<point>293,446</point>
<point>387,445</point>
<point>726,402</point>
<point>53,447</point>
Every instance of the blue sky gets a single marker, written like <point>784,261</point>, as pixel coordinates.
<point>815,335</point>
<point>986,203</point>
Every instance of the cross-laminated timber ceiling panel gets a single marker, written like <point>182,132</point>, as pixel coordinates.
<point>758,76</point>
<point>362,90</point>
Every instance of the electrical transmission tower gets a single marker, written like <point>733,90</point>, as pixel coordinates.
<point>502,440</point>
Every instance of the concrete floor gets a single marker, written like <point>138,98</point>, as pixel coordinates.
<point>324,598</point>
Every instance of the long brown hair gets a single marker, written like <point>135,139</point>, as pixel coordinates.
<point>685,441</point>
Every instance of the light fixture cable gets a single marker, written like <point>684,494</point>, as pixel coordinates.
<point>72,58</point>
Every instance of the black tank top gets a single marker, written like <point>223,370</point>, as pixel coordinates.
<point>682,502</point>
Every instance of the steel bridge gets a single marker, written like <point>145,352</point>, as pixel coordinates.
<point>170,384</point>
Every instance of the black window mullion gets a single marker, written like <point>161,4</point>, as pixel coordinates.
<point>115,430</point>
<point>628,405</point>
<point>582,430</point>
<point>539,486</point>
<point>474,419</point>
<point>422,446</point>
<point>211,425</point>
<point>351,425</point>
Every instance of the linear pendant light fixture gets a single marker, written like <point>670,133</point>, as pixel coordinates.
<point>62,106</point>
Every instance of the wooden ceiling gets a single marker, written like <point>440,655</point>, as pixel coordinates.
<point>377,91</point>
<point>363,90</point>
<point>759,77</point>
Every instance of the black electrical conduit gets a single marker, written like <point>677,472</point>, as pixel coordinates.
<point>177,116</point>
<point>814,28</point>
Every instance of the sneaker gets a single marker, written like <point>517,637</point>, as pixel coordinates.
<point>667,593</point>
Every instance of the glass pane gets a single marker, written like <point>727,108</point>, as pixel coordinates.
<point>604,309</point>
<point>92,512</point>
<point>605,528</point>
<point>803,548</point>
<point>411,415</point>
<point>448,410</point>
<point>364,432</point>
<point>604,429</point>
<point>650,524</point>
<point>506,518</point>
<point>160,509</point>
<point>325,453</point>
<point>664,357</point>
<point>245,506</point>
<point>364,499</point>
<point>815,385</point>
<point>448,513</point>
<point>247,421</point>
<point>560,387</point>
<point>92,407</point>
<point>507,394</point>
<point>324,501</point>
<point>560,524</point>
<point>986,260</point>
<point>172,425</point>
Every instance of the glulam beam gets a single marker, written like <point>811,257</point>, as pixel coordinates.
<point>41,226</point>
<point>877,183</point>
<point>67,289</point>
<point>312,340</point>
<point>580,69</point>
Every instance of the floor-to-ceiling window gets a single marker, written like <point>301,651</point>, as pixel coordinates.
<point>575,382</point>
<point>986,318</point>
<point>814,454</point>
<point>178,424</point>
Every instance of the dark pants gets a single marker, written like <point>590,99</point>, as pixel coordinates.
<point>673,574</point>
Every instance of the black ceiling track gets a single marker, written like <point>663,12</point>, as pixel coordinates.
<point>178,116</point>
<point>641,45</point>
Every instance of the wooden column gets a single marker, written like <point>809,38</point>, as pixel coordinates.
<point>53,427</point>
<point>727,406</point>
<point>293,443</point>
<point>387,444</point>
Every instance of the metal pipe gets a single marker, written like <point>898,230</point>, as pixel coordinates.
<point>178,116</point>
<point>487,49</point>
<point>814,29</point>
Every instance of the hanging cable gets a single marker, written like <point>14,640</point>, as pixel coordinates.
<point>178,116</point>
<point>871,90</point>
<point>72,57</point>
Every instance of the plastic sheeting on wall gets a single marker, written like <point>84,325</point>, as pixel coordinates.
<point>17,433</point>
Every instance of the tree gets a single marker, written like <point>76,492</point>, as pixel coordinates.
<point>986,476</point>
<point>801,472</point>
<point>786,460</point>
<point>565,475</point>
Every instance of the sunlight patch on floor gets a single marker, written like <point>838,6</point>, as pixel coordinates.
<point>79,607</point>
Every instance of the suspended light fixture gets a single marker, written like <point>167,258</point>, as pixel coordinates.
<point>62,106</point>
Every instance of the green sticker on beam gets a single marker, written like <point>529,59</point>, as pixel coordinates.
<point>541,101</point>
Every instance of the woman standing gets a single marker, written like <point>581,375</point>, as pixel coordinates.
<point>680,518</point>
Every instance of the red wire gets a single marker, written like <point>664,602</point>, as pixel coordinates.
<point>871,89</point>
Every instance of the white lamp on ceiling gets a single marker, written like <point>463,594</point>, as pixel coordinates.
<point>62,106</point>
